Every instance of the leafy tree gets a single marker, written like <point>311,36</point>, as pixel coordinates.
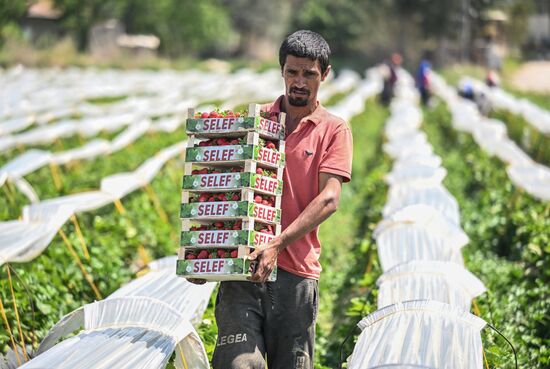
<point>10,12</point>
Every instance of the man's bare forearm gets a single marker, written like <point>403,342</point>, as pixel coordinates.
<point>320,209</point>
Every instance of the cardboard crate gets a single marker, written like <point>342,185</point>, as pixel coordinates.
<point>230,210</point>
<point>229,126</point>
<point>235,155</point>
<point>229,269</point>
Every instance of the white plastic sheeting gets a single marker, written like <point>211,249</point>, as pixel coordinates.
<point>346,81</point>
<point>419,334</point>
<point>127,332</point>
<point>536,116</point>
<point>158,305</point>
<point>401,242</point>
<point>162,283</point>
<point>491,136</point>
<point>354,102</point>
<point>24,239</point>
<point>425,293</point>
<point>429,280</point>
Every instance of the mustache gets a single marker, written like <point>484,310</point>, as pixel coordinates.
<point>302,90</point>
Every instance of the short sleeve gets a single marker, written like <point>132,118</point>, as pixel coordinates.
<point>337,157</point>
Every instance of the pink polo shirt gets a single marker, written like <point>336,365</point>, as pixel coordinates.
<point>322,142</point>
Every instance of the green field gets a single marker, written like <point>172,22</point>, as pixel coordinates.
<point>509,242</point>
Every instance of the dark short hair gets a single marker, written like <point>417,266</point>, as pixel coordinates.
<point>305,44</point>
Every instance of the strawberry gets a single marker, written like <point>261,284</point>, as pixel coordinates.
<point>234,253</point>
<point>219,225</point>
<point>191,257</point>
<point>195,171</point>
<point>203,171</point>
<point>235,197</point>
<point>235,170</point>
<point>258,199</point>
<point>234,142</point>
<point>237,114</point>
<point>203,254</point>
<point>265,202</point>
<point>221,253</point>
<point>211,199</point>
<point>259,171</point>
<point>273,175</point>
<point>222,197</point>
<point>270,145</point>
<point>213,114</point>
<point>204,115</point>
<point>212,255</point>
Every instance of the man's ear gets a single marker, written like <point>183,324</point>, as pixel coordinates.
<point>325,75</point>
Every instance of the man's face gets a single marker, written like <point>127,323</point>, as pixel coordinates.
<point>302,79</point>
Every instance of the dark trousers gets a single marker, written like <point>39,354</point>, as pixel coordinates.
<point>274,319</point>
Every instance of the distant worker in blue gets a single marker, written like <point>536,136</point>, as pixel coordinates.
<point>423,80</point>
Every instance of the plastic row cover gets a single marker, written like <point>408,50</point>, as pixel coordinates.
<point>419,244</point>
<point>147,319</point>
<point>492,137</point>
<point>536,116</point>
<point>25,239</point>
<point>354,102</point>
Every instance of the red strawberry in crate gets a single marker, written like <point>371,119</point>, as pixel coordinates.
<point>222,197</point>
<point>203,171</point>
<point>259,171</point>
<point>221,253</point>
<point>234,142</point>
<point>265,202</point>
<point>235,197</point>
<point>190,256</point>
<point>234,253</point>
<point>219,225</point>
<point>258,199</point>
<point>214,114</point>
<point>203,254</point>
<point>204,115</point>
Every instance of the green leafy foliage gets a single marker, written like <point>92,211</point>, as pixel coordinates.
<point>508,249</point>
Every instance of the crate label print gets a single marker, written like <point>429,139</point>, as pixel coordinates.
<point>267,184</point>
<point>231,124</point>
<point>265,213</point>
<point>233,180</point>
<point>213,266</point>
<point>214,238</point>
<point>214,209</point>
<point>220,153</point>
<point>268,156</point>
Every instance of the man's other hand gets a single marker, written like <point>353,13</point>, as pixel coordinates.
<point>267,259</point>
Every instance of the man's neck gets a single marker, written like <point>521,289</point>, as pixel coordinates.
<point>294,114</point>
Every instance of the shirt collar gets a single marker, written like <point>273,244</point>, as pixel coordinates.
<point>315,117</point>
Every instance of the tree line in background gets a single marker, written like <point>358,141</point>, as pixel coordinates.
<point>365,30</point>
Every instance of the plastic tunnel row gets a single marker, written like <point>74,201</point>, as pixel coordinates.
<point>425,293</point>
<point>491,136</point>
<point>536,116</point>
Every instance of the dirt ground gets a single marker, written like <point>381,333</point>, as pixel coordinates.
<point>533,76</point>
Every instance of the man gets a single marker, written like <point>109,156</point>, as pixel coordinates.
<point>423,80</point>
<point>277,319</point>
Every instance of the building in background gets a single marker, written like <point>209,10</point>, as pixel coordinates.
<point>538,26</point>
<point>42,22</point>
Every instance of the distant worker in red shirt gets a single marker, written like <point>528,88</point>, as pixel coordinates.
<point>274,322</point>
